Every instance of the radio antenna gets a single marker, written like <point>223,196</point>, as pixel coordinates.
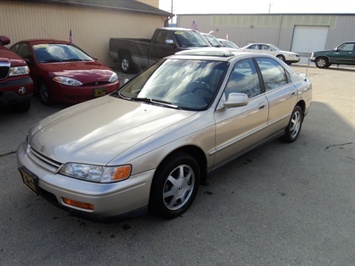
<point>50,37</point>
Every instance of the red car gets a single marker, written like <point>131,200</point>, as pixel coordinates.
<point>62,72</point>
<point>15,82</point>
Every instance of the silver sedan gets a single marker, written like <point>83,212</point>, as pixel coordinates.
<point>286,56</point>
<point>152,142</point>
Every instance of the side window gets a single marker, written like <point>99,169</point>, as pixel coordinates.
<point>25,52</point>
<point>15,48</point>
<point>346,47</point>
<point>274,75</point>
<point>163,36</point>
<point>243,79</point>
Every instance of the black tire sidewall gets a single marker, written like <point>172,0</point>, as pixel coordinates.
<point>47,101</point>
<point>156,203</point>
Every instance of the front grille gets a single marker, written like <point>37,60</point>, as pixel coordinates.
<point>97,83</point>
<point>43,161</point>
<point>4,72</point>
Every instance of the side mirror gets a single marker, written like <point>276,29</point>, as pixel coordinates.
<point>236,100</point>
<point>28,61</point>
<point>4,40</point>
<point>170,42</point>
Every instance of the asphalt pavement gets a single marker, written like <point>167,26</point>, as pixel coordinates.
<point>281,204</point>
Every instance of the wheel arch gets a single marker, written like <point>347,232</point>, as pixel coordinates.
<point>281,56</point>
<point>194,151</point>
<point>302,104</point>
<point>122,52</point>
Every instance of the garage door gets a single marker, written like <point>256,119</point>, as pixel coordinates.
<point>307,39</point>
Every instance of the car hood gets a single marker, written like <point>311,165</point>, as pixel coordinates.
<point>82,71</point>
<point>8,56</point>
<point>99,130</point>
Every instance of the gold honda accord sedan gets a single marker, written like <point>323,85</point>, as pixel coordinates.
<point>153,141</point>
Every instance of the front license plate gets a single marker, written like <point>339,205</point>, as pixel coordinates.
<point>29,179</point>
<point>99,92</point>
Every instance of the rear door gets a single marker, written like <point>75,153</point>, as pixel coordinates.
<point>279,91</point>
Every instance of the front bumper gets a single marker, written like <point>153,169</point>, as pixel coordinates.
<point>108,200</point>
<point>16,91</point>
<point>73,95</point>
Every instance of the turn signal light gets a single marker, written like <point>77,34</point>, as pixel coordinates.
<point>78,204</point>
<point>121,173</point>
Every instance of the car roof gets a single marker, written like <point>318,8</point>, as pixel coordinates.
<point>218,54</point>
<point>44,41</point>
<point>176,29</point>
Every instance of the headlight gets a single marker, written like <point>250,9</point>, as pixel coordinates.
<point>96,173</point>
<point>67,81</point>
<point>113,77</point>
<point>21,70</point>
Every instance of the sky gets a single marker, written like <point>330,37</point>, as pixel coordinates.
<point>257,6</point>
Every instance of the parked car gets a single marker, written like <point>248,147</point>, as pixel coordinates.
<point>136,54</point>
<point>16,86</point>
<point>228,43</point>
<point>166,130</point>
<point>212,40</point>
<point>343,54</point>
<point>287,57</point>
<point>62,72</point>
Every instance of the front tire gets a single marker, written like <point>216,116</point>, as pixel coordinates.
<point>293,129</point>
<point>22,107</point>
<point>322,62</point>
<point>45,94</point>
<point>174,186</point>
<point>281,57</point>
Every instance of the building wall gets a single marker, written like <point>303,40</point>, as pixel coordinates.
<point>271,28</point>
<point>91,27</point>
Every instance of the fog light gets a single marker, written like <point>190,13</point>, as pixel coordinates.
<point>82,205</point>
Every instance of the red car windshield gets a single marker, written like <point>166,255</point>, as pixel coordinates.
<point>49,53</point>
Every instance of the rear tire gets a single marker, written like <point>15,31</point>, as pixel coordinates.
<point>174,186</point>
<point>126,64</point>
<point>293,129</point>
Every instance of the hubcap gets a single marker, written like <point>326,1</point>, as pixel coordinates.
<point>321,63</point>
<point>125,64</point>
<point>178,187</point>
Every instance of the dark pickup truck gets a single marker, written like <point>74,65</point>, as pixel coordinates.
<point>344,54</point>
<point>16,86</point>
<point>137,54</point>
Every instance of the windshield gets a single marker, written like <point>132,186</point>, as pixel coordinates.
<point>212,40</point>
<point>190,39</point>
<point>177,83</point>
<point>49,53</point>
<point>274,47</point>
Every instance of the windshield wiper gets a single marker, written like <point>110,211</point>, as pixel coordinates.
<point>156,101</point>
<point>72,60</point>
